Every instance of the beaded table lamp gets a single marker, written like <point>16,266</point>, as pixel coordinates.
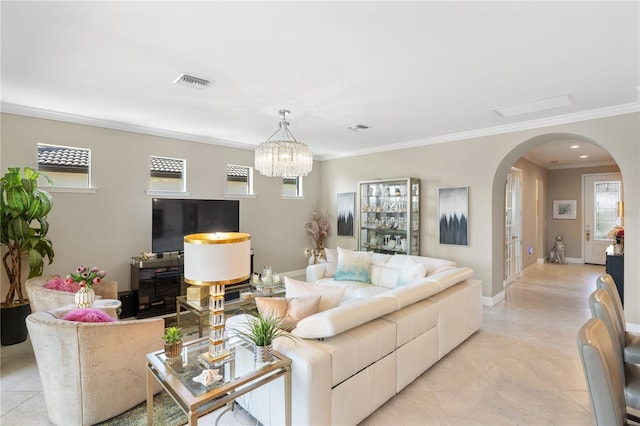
<point>216,260</point>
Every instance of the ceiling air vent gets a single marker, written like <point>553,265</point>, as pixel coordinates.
<point>358,128</point>
<point>191,81</point>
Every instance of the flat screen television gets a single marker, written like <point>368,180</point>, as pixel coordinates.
<point>174,218</point>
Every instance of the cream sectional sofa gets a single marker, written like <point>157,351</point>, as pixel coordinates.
<point>350,359</point>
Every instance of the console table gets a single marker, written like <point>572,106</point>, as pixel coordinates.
<point>615,268</point>
<point>241,374</point>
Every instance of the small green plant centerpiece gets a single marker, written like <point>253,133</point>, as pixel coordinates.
<point>173,341</point>
<point>262,330</point>
<point>24,227</point>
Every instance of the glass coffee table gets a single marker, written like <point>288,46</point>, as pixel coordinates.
<point>241,374</point>
<point>200,308</point>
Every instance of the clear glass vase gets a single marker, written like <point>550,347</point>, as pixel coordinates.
<point>85,297</point>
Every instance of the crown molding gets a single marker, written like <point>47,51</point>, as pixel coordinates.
<point>496,130</point>
<point>116,125</point>
<point>128,127</point>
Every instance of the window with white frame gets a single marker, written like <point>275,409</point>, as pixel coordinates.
<point>292,187</point>
<point>239,180</point>
<point>66,166</point>
<point>168,174</point>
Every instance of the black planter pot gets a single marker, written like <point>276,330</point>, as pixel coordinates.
<point>13,326</point>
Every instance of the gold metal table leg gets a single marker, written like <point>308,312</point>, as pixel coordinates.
<point>150,379</point>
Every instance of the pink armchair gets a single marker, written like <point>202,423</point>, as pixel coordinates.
<point>44,299</point>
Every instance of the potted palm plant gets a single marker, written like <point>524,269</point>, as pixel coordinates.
<point>262,330</point>
<point>173,341</point>
<point>23,218</point>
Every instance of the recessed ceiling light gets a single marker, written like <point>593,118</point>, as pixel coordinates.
<point>574,146</point>
<point>358,128</point>
<point>191,81</point>
<point>534,106</point>
<point>584,156</point>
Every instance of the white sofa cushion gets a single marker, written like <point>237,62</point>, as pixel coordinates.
<point>413,320</point>
<point>412,293</point>
<point>411,272</point>
<point>332,262</point>
<point>352,289</point>
<point>448,277</point>
<point>344,317</point>
<point>387,277</point>
<point>358,347</point>
<point>433,264</point>
<point>330,296</point>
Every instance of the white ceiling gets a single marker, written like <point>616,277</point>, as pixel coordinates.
<point>415,72</point>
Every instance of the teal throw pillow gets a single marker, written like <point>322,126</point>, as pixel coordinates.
<point>353,266</point>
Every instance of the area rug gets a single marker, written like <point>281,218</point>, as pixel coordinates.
<point>165,412</point>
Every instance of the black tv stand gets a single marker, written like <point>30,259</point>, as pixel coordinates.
<point>156,283</point>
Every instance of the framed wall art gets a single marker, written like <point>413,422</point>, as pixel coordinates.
<point>346,210</point>
<point>454,215</point>
<point>565,209</point>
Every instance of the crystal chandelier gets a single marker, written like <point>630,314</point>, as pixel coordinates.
<point>285,157</point>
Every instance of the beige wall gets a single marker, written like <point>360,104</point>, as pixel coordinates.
<point>106,228</point>
<point>532,213</point>
<point>482,164</point>
<point>566,184</point>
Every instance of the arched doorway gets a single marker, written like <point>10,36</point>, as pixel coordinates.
<point>498,205</point>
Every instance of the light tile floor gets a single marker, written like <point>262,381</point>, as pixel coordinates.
<point>521,368</point>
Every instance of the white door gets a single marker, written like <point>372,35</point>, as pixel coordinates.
<point>602,192</point>
<point>513,226</point>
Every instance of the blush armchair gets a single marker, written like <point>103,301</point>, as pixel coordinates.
<point>45,299</point>
<point>91,372</point>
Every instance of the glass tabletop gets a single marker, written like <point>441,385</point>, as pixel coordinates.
<point>239,364</point>
<point>198,305</point>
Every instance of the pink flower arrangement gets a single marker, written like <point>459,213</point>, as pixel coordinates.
<point>616,233</point>
<point>86,277</point>
<point>318,228</point>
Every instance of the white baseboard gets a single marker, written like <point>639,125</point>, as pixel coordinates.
<point>540,260</point>
<point>567,259</point>
<point>493,301</point>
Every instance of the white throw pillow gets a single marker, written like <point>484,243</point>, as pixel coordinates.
<point>330,296</point>
<point>411,272</point>
<point>353,266</point>
<point>332,262</point>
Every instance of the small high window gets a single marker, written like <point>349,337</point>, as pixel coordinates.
<point>292,187</point>
<point>66,166</point>
<point>168,174</point>
<point>239,180</point>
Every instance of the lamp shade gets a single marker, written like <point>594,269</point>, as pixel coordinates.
<point>217,258</point>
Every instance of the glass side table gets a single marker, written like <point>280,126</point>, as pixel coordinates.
<point>241,374</point>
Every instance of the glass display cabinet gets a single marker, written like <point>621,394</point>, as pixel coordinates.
<point>389,213</point>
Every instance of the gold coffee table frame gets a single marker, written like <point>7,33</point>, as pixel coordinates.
<point>241,375</point>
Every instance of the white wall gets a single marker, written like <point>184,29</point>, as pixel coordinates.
<point>106,228</point>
